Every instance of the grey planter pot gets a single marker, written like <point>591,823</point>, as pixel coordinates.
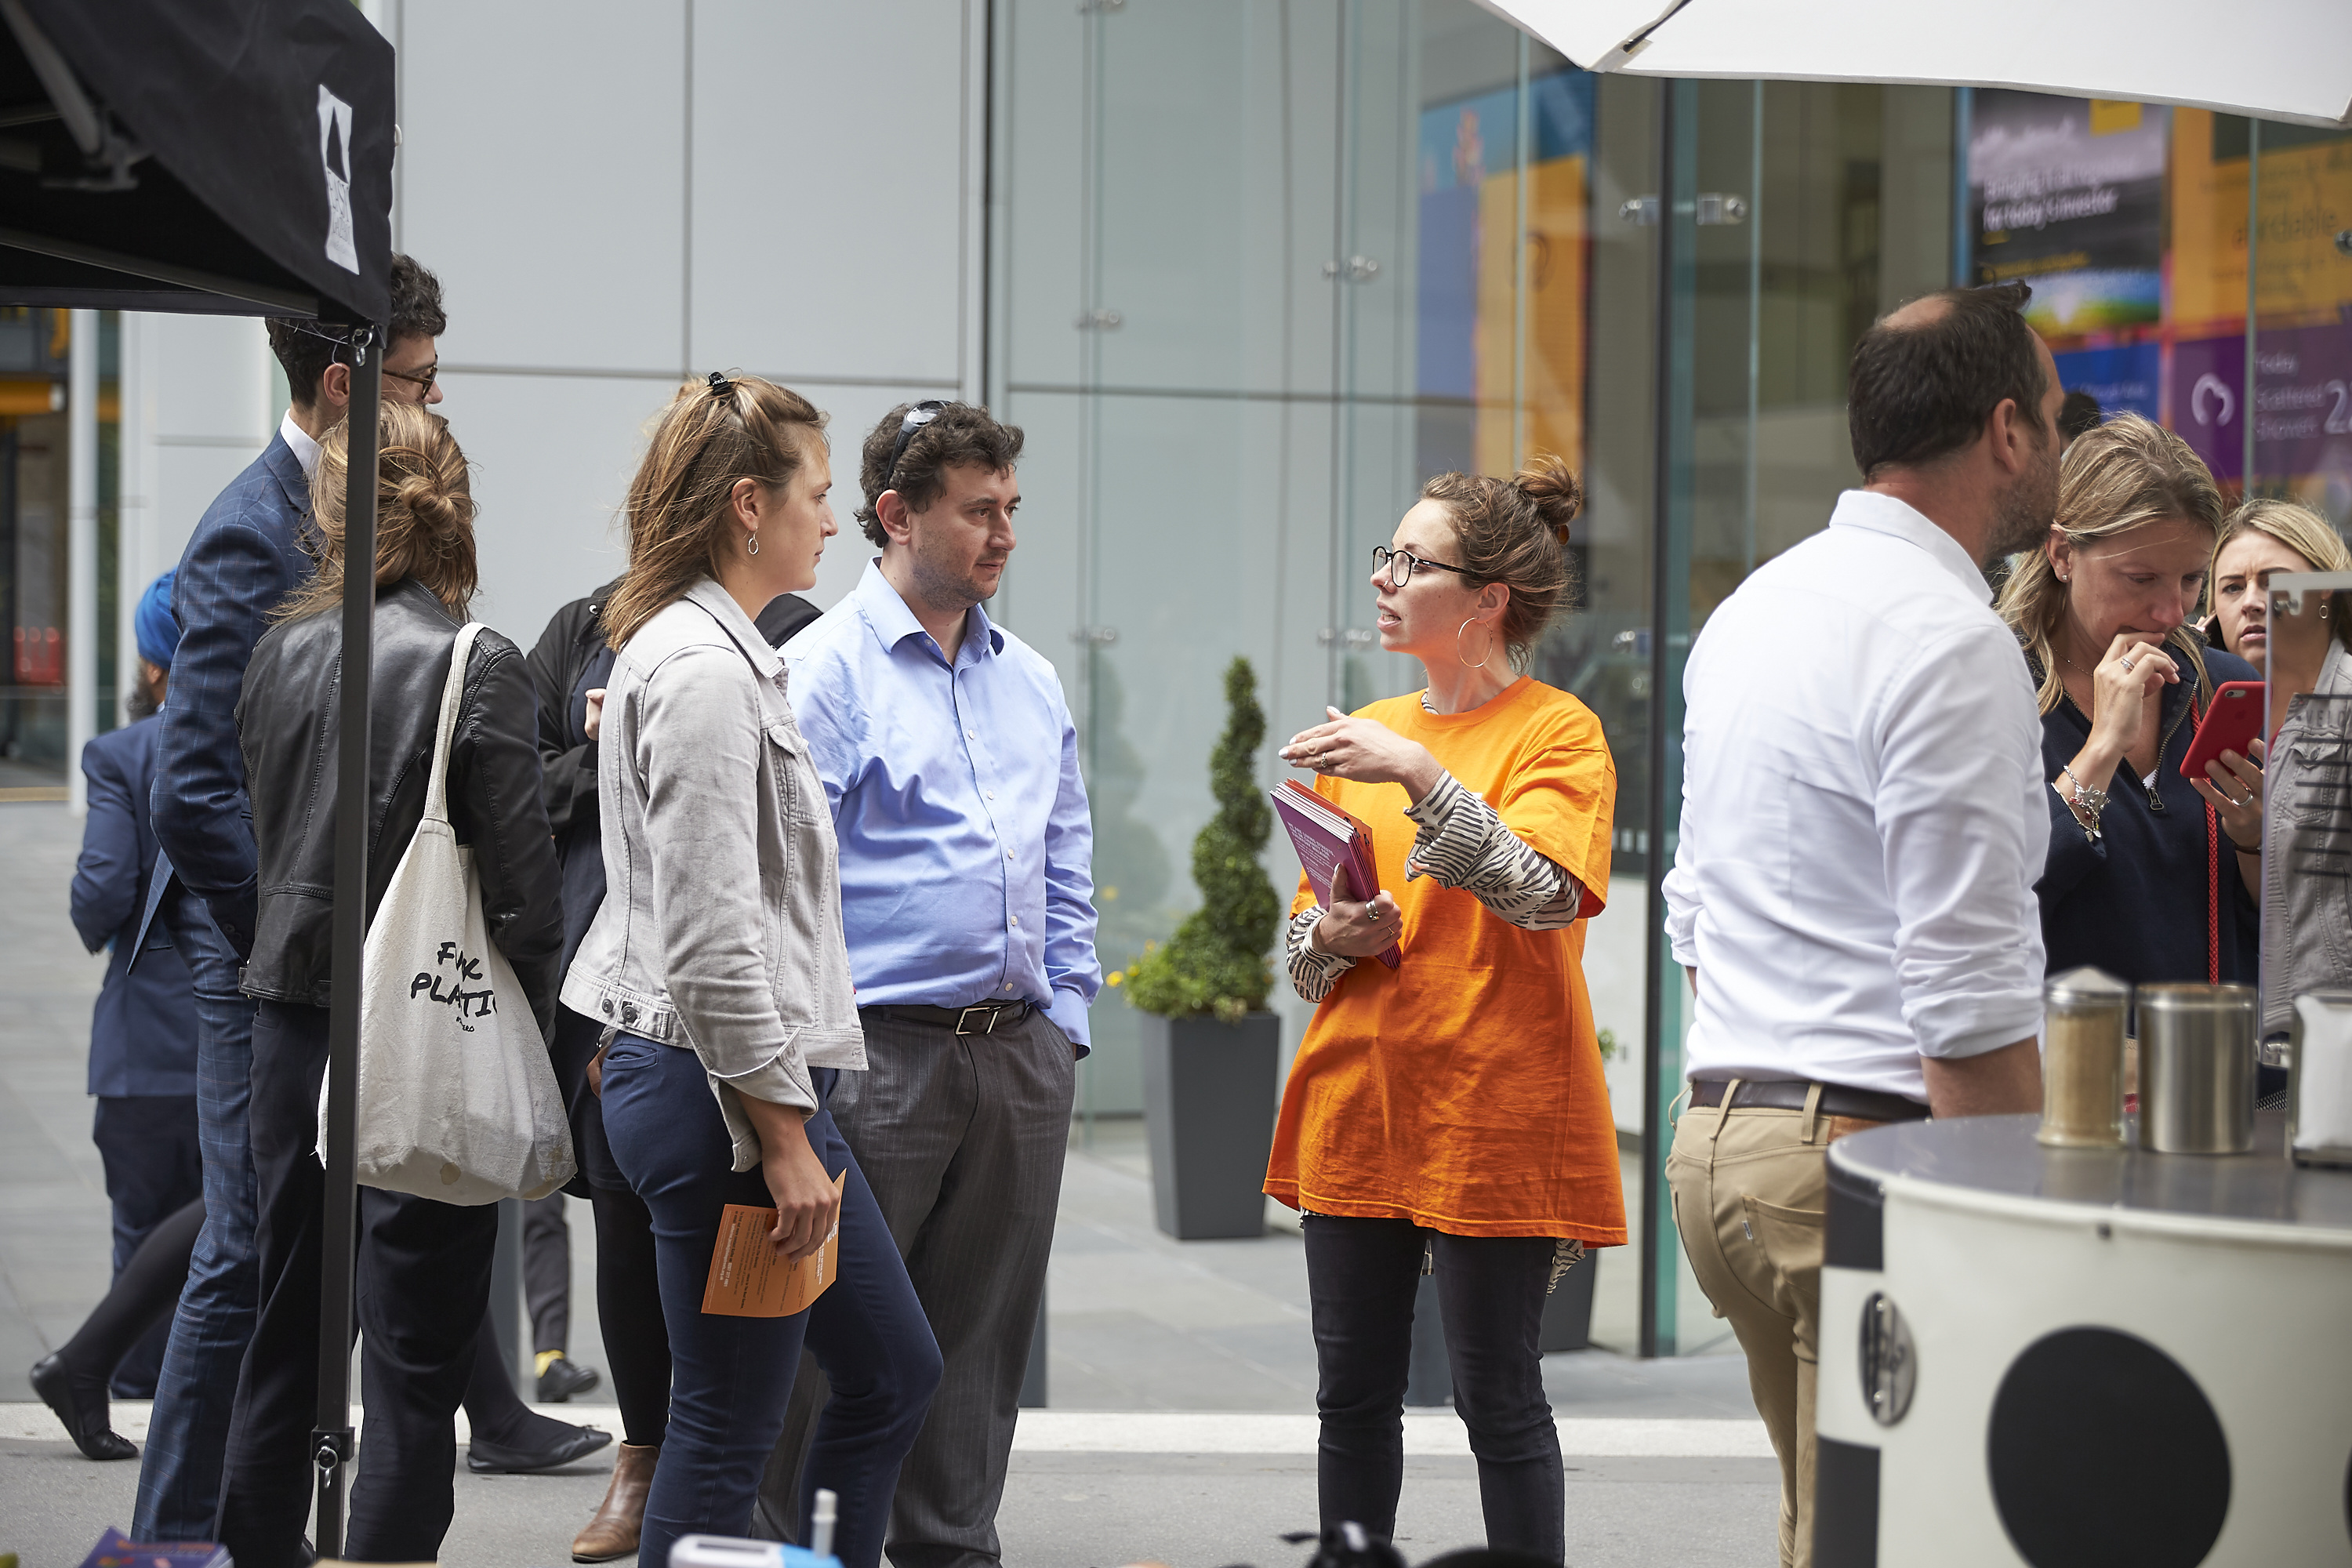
<point>1567,1326</point>
<point>1567,1311</point>
<point>1209,1097</point>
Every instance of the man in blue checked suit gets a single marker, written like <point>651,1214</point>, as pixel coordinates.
<point>246,553</point>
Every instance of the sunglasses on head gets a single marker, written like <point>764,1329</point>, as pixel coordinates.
<point>918,416</point>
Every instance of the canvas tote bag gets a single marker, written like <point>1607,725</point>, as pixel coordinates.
<point>457,1099</point>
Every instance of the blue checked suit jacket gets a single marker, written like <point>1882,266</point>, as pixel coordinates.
<point>246,555</point>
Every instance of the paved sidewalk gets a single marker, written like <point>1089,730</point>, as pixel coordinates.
<point>1180,1375</point>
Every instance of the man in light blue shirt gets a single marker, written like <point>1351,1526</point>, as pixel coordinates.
<point>951,767</point>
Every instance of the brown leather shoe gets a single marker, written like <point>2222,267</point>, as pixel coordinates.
<point>622,1515</point>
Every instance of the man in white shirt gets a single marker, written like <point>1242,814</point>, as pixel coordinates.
<point>1862,829</point>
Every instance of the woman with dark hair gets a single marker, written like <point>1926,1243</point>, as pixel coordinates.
<point>1452,1107</point>
<point>717,966</point>
<point>423,1267</point>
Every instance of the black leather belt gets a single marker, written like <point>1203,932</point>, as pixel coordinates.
<point>980,1018</point>
<point>1790,1093</point>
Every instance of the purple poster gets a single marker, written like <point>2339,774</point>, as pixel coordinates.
<point>2303,403</point>
<point>2209,395</point>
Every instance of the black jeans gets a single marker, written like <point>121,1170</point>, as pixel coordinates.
<point>153,1171</point>
<point>423,1279</point>
<point>628,1289</point>
<point>1361,1275</point>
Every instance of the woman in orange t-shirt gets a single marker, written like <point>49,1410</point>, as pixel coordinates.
<point>1454,1106</point>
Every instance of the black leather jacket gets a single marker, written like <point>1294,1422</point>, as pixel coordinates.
<point>287,728</point>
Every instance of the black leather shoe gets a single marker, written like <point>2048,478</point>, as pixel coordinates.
<point>80,1403</point>
<point>487,1458</point>
<point>563,1378</point>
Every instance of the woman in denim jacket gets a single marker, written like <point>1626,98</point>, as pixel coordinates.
<point>717,968</point>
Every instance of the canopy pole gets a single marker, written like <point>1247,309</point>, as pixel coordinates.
<point>81,553</point>
<point>331,1441</point>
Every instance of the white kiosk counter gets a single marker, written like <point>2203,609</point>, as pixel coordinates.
<point>2069,1358</point>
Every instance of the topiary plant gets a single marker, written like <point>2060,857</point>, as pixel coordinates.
<point>1216,961</point>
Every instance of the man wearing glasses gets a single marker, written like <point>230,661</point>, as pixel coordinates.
<point>952,768</point>
<point>245,554</point>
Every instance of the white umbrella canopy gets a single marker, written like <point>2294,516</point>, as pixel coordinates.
<point>2280,59</point>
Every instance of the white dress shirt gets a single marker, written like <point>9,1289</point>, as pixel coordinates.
<point>297,440</point>
<point>1862,821</point>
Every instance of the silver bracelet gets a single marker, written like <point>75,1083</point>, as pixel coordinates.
<point>2088,800</point>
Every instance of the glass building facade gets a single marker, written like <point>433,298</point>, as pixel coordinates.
<point>1257,269</point>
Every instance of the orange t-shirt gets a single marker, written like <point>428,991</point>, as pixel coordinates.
<point>1462,1091</point>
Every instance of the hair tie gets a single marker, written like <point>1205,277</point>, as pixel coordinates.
<point>720,385</point>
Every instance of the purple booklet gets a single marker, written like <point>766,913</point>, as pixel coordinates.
<point>116,1550</point>
<point>1328,838</point>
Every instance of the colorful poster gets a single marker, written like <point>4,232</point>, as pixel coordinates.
<point>1469,363</point>
<point>2068,195</point>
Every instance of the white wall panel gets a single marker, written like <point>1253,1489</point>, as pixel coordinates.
<point>543,154</point>
<point>828,192</point>
<point>212,377</point>
<point>207,392</point>
<point>552,457</point>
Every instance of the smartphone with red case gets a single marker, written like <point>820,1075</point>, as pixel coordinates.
<point>2231,725</point>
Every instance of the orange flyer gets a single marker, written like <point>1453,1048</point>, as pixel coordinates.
<point>748,1278</point>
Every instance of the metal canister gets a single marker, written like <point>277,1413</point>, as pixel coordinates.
<point>2082,1059</point>
<point>2197,1069</point>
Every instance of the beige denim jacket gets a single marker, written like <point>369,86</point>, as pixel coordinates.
<point>720,931</point>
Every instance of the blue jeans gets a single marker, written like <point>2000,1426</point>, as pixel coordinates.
<point>180,1472</point>
<point>733,1375</point>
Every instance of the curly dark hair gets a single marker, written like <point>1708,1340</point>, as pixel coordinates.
<point>960,433</point>
<point>307,348</point>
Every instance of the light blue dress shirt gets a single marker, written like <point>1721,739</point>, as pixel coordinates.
<point>966,847</point>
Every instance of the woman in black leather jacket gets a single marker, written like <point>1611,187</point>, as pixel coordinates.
<point>423,1267</point>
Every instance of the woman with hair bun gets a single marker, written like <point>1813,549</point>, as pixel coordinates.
<point>1452,1107</point>
<point>423,1267</point>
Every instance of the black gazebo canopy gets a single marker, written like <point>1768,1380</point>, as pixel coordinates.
<point>229,157</point>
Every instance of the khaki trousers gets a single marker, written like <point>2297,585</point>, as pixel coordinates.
<point>1750,1190</point>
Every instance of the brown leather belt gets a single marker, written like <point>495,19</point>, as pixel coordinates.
<point>980,1018</point>
<point>1790,1093</point>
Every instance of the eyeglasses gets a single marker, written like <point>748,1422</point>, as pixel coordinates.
<point>918,416</point>
<point>1400,563</point>
<point>424,384</point>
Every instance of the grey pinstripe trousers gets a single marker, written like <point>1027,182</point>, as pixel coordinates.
<point>962,1139</point>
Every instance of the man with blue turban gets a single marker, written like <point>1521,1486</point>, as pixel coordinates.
<point>143,1064</point>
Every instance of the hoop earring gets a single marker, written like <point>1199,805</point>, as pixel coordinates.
<point>1457,645</point>
<point>750,544</point>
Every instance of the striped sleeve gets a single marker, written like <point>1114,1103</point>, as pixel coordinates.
<point>1313,972</point>
<point>1462,843</point>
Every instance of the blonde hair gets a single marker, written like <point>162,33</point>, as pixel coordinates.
<point>2301,529</point>
<point>714,435</point>
<point>423,511</point>
<point>2122,476</point>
